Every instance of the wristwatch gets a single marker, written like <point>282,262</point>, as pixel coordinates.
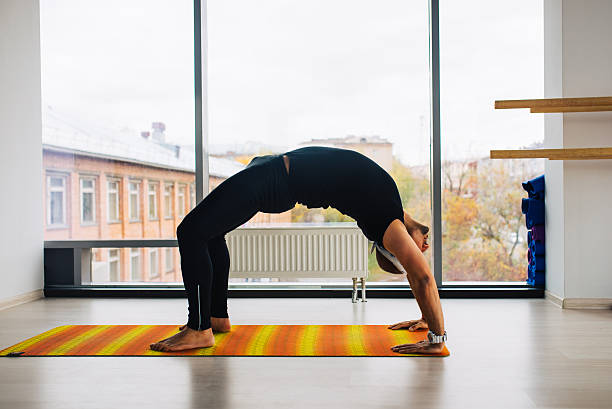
<point>435,339</point>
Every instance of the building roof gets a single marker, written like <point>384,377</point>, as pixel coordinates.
<point>349,139</point>
<point>63,133</point>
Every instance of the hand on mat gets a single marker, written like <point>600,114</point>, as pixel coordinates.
<point>422,347</point>
<point>412,325</point>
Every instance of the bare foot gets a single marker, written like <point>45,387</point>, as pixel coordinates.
<point>220,324</point>
<point>186,339</point>
<point>217,325</point>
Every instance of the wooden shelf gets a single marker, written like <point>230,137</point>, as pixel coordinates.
<point>547,105</point>
<point>554,154</point>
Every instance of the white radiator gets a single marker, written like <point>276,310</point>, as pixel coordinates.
<point>299,252</point>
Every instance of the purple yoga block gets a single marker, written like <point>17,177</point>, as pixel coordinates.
<point>538,232</point>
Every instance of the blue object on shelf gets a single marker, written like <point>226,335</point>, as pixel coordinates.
<point>534,212</point>
<point>538,263</point>
<point>535,187</point>
<point>537,248</point>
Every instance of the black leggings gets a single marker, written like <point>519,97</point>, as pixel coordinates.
<point>263,186</point>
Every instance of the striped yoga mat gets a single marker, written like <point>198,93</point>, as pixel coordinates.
<point>243,340</point>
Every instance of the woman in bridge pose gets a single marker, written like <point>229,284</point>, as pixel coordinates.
<point>316,177</point>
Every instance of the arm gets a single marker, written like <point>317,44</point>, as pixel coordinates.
<point>397,240</point>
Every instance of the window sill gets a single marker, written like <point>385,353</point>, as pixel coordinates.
<point>169,290</point>
<point>56,226</point>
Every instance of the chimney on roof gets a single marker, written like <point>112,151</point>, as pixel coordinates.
<point>177,150</point>
<point>158,131</point>
<point>145,134</point>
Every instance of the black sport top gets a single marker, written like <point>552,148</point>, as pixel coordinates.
<point>348,181</point>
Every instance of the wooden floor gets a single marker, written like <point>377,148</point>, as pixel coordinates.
<point>504,354</point>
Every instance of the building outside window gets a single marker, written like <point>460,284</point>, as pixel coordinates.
<point>168,189</point>
<point>135,265</point>
<point>153,201</point>
<point>181,200</point>
<point>169,260</point>
<point>56,202</point>
<point>114,265</point>
<point>153,263</point>
<point>113,201</point>
<point>134,201</point>
<point>192,196</point>
<point>88,200</point>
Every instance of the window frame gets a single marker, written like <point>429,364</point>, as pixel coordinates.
<point>135,253</point>
<point>169,203</point>
<point>153,193</point>
<point>181,211</point>
<point>82,192</point>
<point>154,255</point>
<point>202,160</point>
<point>168,268</point>
<point>137,183</point>
<point>64,191</point>
<point>117,192</point>
<point>114,259</point>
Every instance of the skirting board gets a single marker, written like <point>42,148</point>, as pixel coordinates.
<point>21,299</point>
<point>579,303</point>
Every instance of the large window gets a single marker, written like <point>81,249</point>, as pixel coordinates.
<point>118,137</point>
<point>488,50</point>
<point>341,73</point>
<point>118,124</point>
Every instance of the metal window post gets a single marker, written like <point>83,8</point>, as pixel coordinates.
<point>200,45</point>
<point>435,159</point>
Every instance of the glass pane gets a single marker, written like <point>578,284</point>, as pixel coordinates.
<point>113,207</point>
<point>108,266</point>
<point>489,50</point>
<point>57,208</point>
<point>88,207</point>
<point>118,102</point>
<point>354,76</point>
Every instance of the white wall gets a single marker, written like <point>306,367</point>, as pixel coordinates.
<point>579,197</point>
<point>21,225</point>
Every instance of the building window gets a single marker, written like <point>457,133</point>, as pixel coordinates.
<point>113,201</point>
<point>114,266</point>
<point>135,265</point>
<point>192,196</point>
<point>134,201</point>
<point>168,190</point>
<point>56,200</point>
<point>181,200</point>
<point>88,200</point>
<point>153,265</point>
<point>169,260</point>
<point>153,201</point>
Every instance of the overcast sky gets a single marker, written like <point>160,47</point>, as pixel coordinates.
<point>282,72</point>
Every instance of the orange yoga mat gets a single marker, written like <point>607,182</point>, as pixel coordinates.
<point>243,340</point>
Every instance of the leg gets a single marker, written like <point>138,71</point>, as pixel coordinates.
<point>354,296</point>
<point>219,255</point>
<point>232,203</point>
